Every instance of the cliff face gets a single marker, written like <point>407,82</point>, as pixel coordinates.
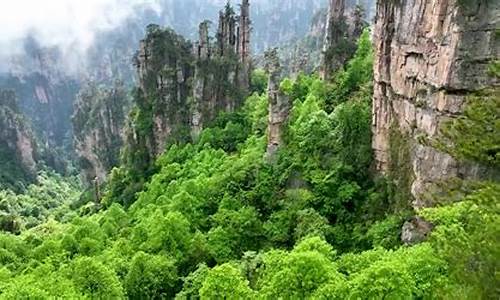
<point>184,86</point>
<point>330,41</point>
<point>98,124</point>
<point>44,90</point>
<point>342,31</point>
<point>429,56</point>
<point>17,146</point>
<point>164,67</point>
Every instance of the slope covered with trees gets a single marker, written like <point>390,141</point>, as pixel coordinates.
<point>217,219</point>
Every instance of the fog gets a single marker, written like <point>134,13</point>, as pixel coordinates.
<point>60,21</point>
<point>69,24</point>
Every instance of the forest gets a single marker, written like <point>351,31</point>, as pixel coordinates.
<point>218,216</point>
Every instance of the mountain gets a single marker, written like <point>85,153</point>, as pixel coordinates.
<point>375,177</point>
<point>47,80</point>
<point>18,151</point>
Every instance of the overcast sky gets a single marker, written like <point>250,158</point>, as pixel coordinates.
<point>60,22</point>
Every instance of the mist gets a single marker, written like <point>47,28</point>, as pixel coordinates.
<point>69,25</point>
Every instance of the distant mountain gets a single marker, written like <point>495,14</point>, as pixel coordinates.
<point>47,80</point>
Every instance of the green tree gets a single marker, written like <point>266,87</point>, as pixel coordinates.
<point>225,282</point>
<point>151,277</point>
<point>94,279</point>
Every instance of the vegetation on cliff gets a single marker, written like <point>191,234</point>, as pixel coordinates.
<point>216,220</point>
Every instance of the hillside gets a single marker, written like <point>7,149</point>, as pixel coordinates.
<point>372,175</point>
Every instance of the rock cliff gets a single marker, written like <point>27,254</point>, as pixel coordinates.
<point>18,153</point>
<point>98,124</point>
<point>44,89</point>
<point>184,86</point>
<point>430,55</point>
<point>223,68</point>
<point>343,28</point>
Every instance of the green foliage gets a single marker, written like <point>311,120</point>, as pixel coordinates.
<point>193,283</point>
<point>474,135</point>
<point>466,236</point>
<point>151,276</point>
<point>258,82</point>
<point>227,132</point>
<point>494,67</point>
<point>51,197</point>
<point>381,233</point>
<point>357,75</point>
<point>214,219</point>
<point>256,111</point>
<point>225,282</point>
<point>234,232</point>
<point>93,279</point>
<point>300,273</point>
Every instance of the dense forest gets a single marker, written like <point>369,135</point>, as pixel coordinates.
<point>275,192</point>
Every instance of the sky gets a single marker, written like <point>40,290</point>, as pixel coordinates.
<point>69,24</point>
<point>60,22</point>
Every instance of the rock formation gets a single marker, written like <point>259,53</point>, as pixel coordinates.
<point>98,124</point>
<point>18,154</point>
<point>164,68</point>
<point>44,90</point>
<point>222,73</point>
<point>334,32</point>
<point>316,50</point>
<point>184,86</point>
<point>279,103</point>
<point>416,231</point>
<point>343,28</point>
<point>430,54</point>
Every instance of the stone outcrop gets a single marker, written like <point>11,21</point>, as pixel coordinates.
<point>430,54</point>
<point>343,28</point>
<point>334,33</point>
<point>416,231</point>
<point>98,124</point>
<point>44,90</point>
<point>164,69</point>
<point>183,86</point>
<point>18,151</point>
<point>313,51</point>
<point>222,73</point>
<point>279,103</point>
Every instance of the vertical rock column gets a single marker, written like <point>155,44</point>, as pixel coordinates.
<point>335,28</point>
<point>279,103</point>
<point>202,54</point>
<point>244,45</point>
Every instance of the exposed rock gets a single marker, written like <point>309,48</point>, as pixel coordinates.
<point>44,90</point>
<point>98,124</point>
<point>244,45</point>
<point>18,151</point>
<point>416,231</point>
<point>309,54</point>
<point>334,32</point>
<point>279,103</point>
<point>429,56</point>
<point>164,68</point>
<point>222,73</point>
<point>184,86</point>
<point>342,31</point>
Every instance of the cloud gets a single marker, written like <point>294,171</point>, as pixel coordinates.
<point>68,24</point>
<point>59,22</point>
